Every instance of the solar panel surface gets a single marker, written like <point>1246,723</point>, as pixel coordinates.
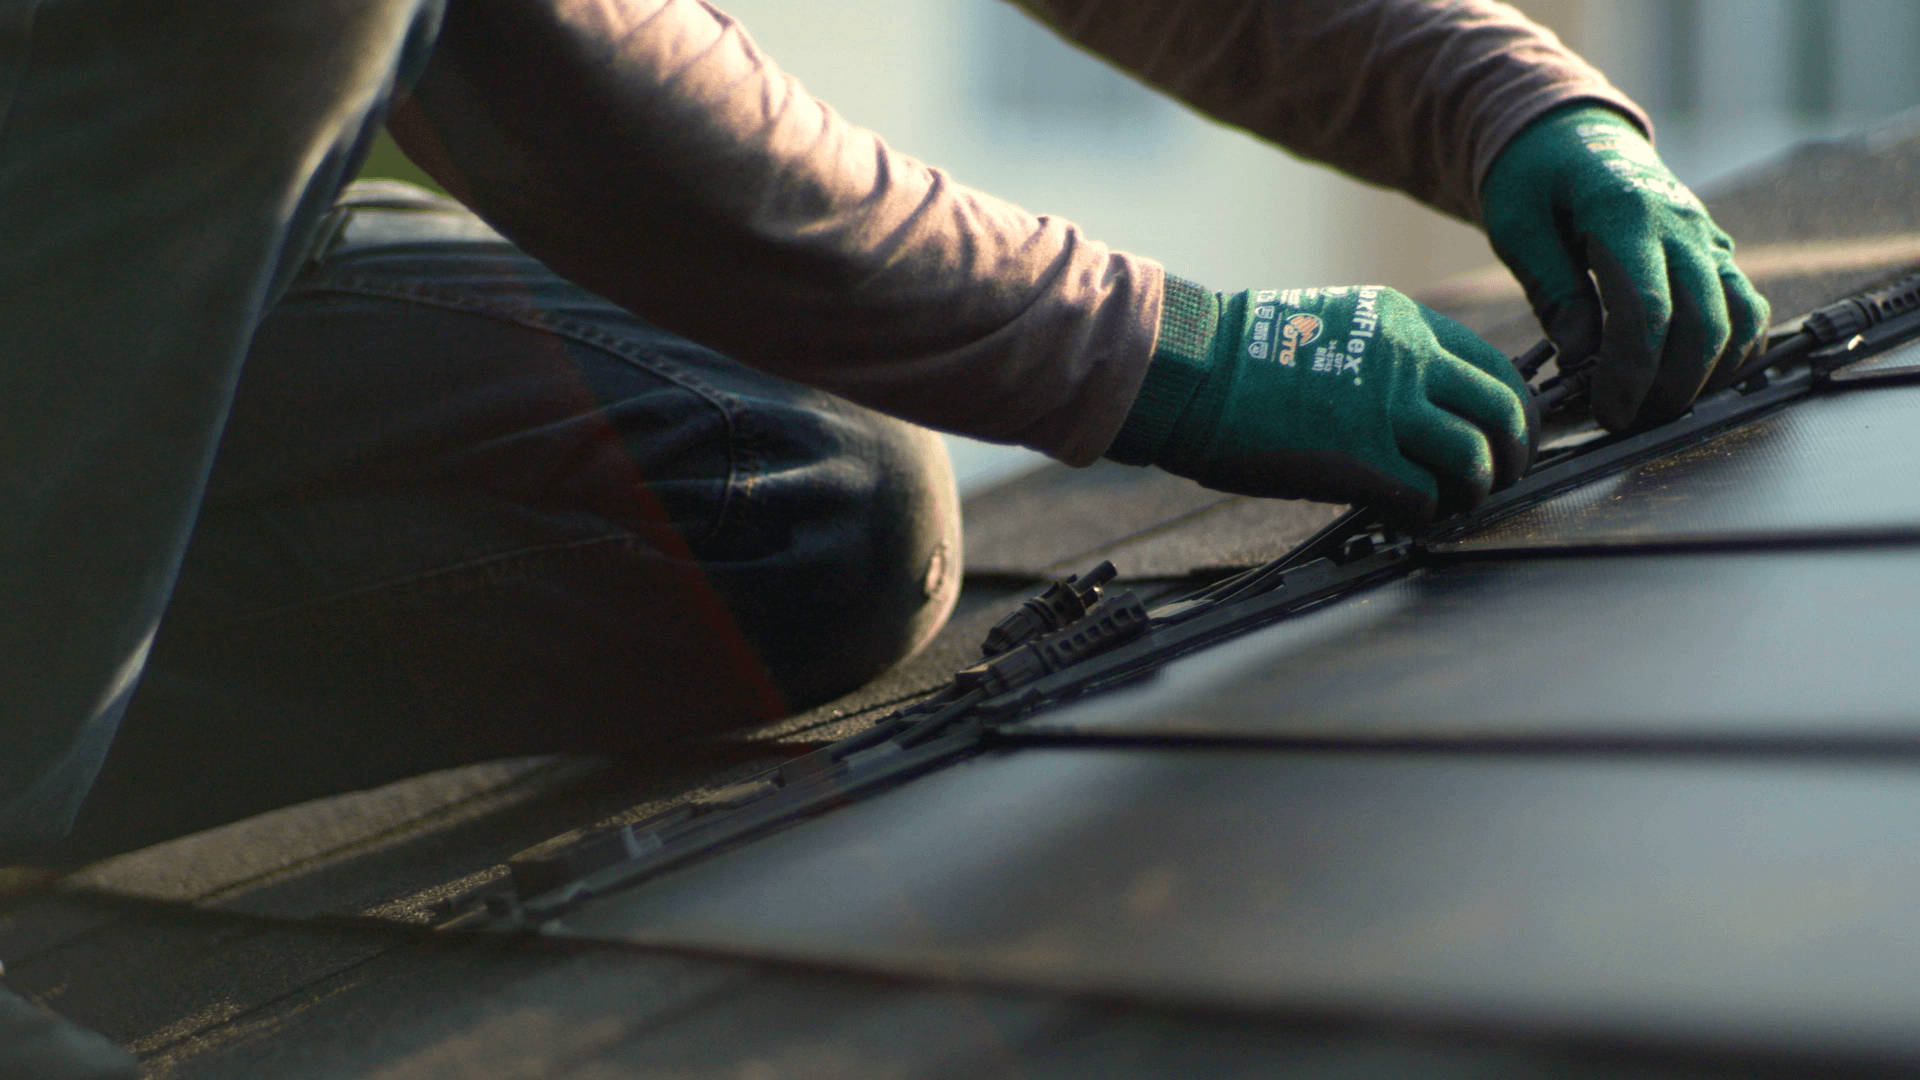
<point>1764,902</point>
<point>1807,648</point>
<point>1842,465</point>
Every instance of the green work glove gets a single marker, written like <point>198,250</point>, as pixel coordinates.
<point>1581,189</point>
<point>1341,395</point>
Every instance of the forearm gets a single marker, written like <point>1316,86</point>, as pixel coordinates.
<point>1418,95</point>
<point>648,151</point>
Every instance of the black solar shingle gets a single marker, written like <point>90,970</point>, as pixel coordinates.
<point>1746,901</point>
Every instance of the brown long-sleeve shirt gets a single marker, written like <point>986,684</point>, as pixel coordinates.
<point>649,151</point>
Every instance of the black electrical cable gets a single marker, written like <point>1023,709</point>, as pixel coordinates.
<point>1531,361</point>
<point>1792,348</point>
<point>1839,321</point>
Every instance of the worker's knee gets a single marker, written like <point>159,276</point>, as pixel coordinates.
<point>866,564</point>
<point>515,468</point>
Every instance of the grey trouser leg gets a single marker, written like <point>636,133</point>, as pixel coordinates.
<point>160,160</point>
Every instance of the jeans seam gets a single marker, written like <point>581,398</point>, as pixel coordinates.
<point>423,582</point>
<point>742,458</point>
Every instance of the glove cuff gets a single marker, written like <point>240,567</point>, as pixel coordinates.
<point>1189,321</point>
<point>1584,112</point>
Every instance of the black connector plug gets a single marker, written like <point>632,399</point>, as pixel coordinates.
<point>1064,602</point>
<point>1862,311</point>
<point>1108,624</point>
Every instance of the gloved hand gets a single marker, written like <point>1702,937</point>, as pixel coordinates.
<point>1581,189</point>
<point>1341,395</point>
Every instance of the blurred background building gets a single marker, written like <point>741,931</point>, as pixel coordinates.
<point>978,88</point>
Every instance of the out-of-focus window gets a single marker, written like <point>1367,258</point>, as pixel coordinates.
<point>1733,82</point>
<point>1033,85</point>
<point>1810,75</point>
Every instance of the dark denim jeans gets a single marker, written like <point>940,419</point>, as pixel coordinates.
<point>161,166</point>
<point>463,509</point>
